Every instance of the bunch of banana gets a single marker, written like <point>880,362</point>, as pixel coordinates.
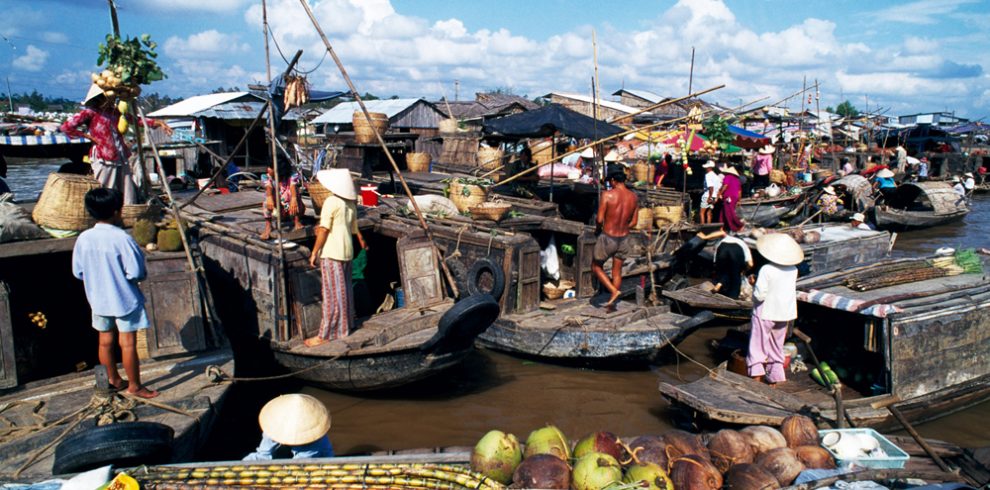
<point>296,91</point>
<point>38,319</point>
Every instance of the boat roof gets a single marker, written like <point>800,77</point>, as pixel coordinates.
<point>193,105</point>
<point>943,198</point>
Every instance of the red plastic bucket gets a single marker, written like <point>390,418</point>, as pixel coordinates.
<point>369,195</point>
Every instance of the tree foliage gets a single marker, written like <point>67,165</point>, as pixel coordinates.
<point>39,103</point>
<point>845,109</point>
<point>717,130</point>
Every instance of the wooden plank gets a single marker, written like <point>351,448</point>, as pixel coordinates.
<point>36,247</point>
<point>175,312</point>
<point>8,361</point>
<point>419,270</point>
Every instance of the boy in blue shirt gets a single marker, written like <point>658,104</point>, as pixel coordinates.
<point>110,264</point>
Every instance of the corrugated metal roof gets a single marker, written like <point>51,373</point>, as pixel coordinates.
<point>642,94</point>
<point>199,103</point>
<point>604,103</point>
<point>242,110</point>
<point>344,113</point>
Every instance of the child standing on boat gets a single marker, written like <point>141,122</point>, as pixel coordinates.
<point>110,264</point>
<point>774,306</point>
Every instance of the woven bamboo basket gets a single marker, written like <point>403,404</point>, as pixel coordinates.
<point>62,202</point>
<point>448,126</point>
<point>364,133</point>
<point>556,292</point>
<point>542,152</point>
<point>318,194</point>
<point>643,172</point>
<point>644,219</point>
<point>489,158</point>
<point>490,210</point>
<point>668,215</point>
<point>466,196</point>
<point>418,162</point>
<point>133,212</point>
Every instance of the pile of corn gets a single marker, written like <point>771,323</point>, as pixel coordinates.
<point>337,476</point>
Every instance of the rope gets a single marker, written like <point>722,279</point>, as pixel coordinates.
<point>216,375</point>
<point>271,33</point>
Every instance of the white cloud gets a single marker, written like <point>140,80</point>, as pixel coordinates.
<point>917,45</point>
<point>209,44</point>
<point>55,37</point>
<point>33,59</point>
<point>73,78</point>
<point>185,6</point>
<point>920,12</point>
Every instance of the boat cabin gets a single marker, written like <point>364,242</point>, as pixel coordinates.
<point>920,205</point>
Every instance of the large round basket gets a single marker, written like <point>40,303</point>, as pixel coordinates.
<point>418,162</point>
<point>493,211</point>
<point>644,219</point>
<point>489,158</point>
<point>318,194</point>
<point>131,213</point>
<point>447,126</point>
<point>466,196</point>
<point>542,151</point>
<point>365,133</point>
<point>643,172</point>
<point>668,215</point>
<point>62,203</point>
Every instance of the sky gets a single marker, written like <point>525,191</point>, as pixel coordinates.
<point>888,56</point>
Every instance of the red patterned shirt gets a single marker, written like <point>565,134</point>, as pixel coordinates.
<point>108,143</point>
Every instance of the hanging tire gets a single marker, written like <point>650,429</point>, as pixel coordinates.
<point>480,269</point>
<point>122,444</point>
<point>462,323</point>
<point>460,273</point>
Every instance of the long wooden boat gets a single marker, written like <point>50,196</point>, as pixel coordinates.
<point>919,345</point>
<point>921,205</point>
<point>34,147</point>
<point>840,246</point>
<point>769,211</point>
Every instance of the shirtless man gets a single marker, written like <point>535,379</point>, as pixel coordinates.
<point>616,214</point>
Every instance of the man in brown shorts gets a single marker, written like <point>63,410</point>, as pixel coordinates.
<point>616,215</point>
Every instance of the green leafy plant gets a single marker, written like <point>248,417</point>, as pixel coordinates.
<point>132,60</point>
<point>717,130</point>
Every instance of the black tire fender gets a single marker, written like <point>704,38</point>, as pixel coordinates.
<point>460,273</point>
<point>121,444</point>
<point>482,266</point>
<point>462,323</point>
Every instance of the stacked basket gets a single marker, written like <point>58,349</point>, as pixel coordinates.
<point>489,158</point>
<point>668,214</point>
<point>493,211</point>
<point>418,162</point>
<point>466,196</point>
<point>62,203</point>
<point>643,172</point>
<point>134,212</point>
<point>364,133</point>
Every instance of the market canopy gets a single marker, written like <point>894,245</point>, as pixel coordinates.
<point>548,120</point>
<point>748,139</point>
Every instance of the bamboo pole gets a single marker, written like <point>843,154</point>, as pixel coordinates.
<point>381,142</point>
<point>617,135</point>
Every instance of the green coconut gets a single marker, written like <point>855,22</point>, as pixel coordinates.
<point>144,232</point>
<point>169,240</point>
<point>496,456</point>
<point>595,471</point>
<point>649,476</point>
<point>548,440</point>
<point>600,442</point>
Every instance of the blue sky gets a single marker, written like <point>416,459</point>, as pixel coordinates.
<point>900,56</point>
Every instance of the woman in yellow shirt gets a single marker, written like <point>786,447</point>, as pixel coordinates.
<point>333,251</point>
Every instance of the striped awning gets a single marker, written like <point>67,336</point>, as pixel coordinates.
<point>42,140</point>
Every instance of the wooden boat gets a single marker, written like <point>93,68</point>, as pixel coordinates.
<point>921,205</point>
<point>919,345</point>
<point>767,212</point>
<point>34,147</point>
<point>840,246</point>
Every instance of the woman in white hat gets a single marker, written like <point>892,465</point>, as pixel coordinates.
<point>774,306</point>
<point>110,153</point>
<point>969,182</point>
<point>762,166</point>
<point>884,182</point>
<point>957,186</point>
<point>829,203</point>
<point>293,426</point>
<point>708,198</point>
<point>858,221</point>
<point>334,251</point>
<point>730,193</point>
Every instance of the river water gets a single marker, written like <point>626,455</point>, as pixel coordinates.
<point>492,390</point>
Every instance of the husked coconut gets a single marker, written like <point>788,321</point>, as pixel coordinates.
<point>683,443</point>
<point>728,448</point>
<point>693,472</point>
<point>782,463</point>
<point>815,457</point>
<point>799,430</point>
<point>542,471</point>
<point>747,476</point>
<point>764,438</point>
<point>650,449</point>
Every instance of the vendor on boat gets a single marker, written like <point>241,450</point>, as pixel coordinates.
<point>334,251</point>
<point>290,199</point>
<point>858,221</point>
<point>109,154</point>
<point>774,306</point>
<point>923,169</point>
<point>901,159</point>
<point>663,165</point>
<point>762,166</point>
<point>710,196</point>
<point>969,182</point>
<point>729,193</point>
<point>732,258</point>
<point>957,186</point>
<point>829,203</point>
<point>884,183</point>
<point>293,426</point>
<point>847,167</point>
<point>617,213</point>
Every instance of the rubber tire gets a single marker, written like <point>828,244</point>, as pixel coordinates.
<point>460,273</point>
<point>462,323</point>
<point>480,267</point>
<point>121,444</point>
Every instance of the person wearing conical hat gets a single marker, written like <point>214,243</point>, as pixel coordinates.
<point>884,183</point>
<point>829,203</point>
<point>293,426</point>
<point>333,252</point>
<point>109,154</point>
<point>762,166</point>
<point>774,306</point>
<point>858,221</point>
<point>730,193</point>
<point>969,182</point>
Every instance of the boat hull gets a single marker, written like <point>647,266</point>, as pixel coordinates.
<point>895,219</point>
<point>368,373</point>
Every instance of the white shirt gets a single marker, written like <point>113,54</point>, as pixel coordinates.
<point>776,291</point>
<point>959,189</point>
<point>864,226</point>
<point>712,181</point>
<point>745,248</point>
<point>969,183</point>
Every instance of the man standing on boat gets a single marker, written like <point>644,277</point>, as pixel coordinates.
<point>616,215</point>
<point>333,251</point>
<point>774,306</point>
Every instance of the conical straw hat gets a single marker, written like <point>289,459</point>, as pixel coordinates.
<point>338,181</point>
<point>780,248</point>
<point>885,173</point>
<point>94,92</point>
<point>294,419</point>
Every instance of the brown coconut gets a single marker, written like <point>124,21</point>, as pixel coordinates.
<point>748,476</point>
<point>815,457</point>
<point>812,236</point>
<point>799,430</point>
<point>683,443</point>
<point>728,448</point>
<point>782,463</point>
<point>694,472</point>
<point>542,471</point>
<point>764,438</point>
<point>650,449</point>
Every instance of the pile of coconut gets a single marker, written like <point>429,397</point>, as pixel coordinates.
<point>754,458</point>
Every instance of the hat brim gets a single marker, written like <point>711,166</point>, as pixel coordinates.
<point>885,173</point>
<point>94,92</point>
<point>338,181</point>
<point>730,170</point>
<point>294,419</point>
<point>780,249</point>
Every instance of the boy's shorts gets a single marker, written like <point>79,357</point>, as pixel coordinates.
<point>132,322</point>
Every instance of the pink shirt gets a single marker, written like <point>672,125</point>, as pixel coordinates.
<point>763,164</point>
